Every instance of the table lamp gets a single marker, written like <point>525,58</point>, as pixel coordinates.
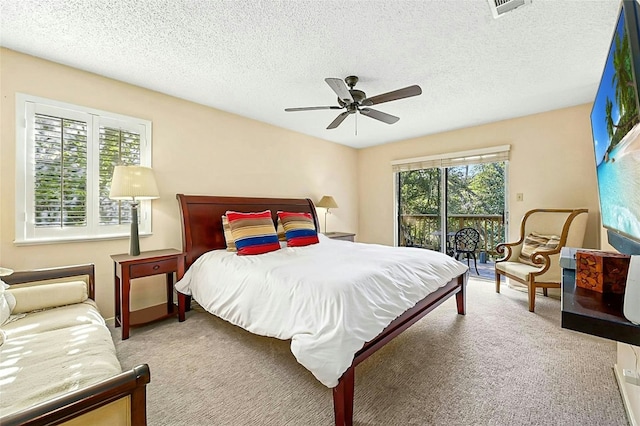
<point>133,183</point>
<point>327,202</point>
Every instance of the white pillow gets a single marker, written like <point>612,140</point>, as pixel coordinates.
<point>5,309</point>
<point>11,300</point>
<point>48,296</point>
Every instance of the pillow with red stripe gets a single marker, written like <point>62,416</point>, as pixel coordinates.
<point>253,233</point>
<point>299,228</point>
<point>228,238</point>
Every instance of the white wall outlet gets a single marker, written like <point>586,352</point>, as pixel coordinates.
<point>631,377</point>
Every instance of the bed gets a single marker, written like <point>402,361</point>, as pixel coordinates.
<point>204,243</point>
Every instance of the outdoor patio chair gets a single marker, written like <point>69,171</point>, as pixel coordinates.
<point>534,260</point>
<point>465,242</point>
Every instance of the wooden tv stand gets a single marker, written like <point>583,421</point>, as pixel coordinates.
<point>595,313</point>
<point>601,315</point>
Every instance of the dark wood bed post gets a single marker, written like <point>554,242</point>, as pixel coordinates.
<point>461,296</point>
<point>202,231</point>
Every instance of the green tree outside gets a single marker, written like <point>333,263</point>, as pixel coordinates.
<point>476,189</point>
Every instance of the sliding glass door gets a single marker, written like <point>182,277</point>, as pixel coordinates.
<point>420,208</point>
<point>435,203</point>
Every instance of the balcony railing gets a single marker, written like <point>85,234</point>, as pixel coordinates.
<point>423,230</point>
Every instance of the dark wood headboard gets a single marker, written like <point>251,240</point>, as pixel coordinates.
<point>202,218</point>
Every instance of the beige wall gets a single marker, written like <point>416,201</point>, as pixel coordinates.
<point>196,150</point>
<point>551,163</point>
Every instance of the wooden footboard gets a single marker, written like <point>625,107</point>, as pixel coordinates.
<point>117,401</point>
<point>343,393</point>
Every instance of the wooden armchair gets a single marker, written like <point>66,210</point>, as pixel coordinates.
<point>533,260</point>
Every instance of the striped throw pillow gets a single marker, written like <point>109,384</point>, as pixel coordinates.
<point>228,238</point>
<point>536,242</point>
<point>299,228</point>
<point>280,231</point>
<point>253,233</point>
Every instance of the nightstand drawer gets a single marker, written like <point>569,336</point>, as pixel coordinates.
<point>152,268</point>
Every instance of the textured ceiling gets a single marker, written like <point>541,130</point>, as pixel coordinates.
<point>256,58</point>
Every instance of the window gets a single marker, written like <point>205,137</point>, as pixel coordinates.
<point>65,155</point>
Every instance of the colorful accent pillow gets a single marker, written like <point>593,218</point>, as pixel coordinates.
<point>280,231</point>
<point>299,229</point>
<point>228,238</point>
<point>536,242</point>
<point>253,233</point>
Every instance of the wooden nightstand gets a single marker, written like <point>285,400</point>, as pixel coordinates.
<point>127,267</point>
<point>345,236</point>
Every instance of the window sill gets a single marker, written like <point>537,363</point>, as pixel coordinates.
<point>43,241</point>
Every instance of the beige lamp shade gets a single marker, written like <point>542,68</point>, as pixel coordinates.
<point>327,202</point>
<point>133,183</point>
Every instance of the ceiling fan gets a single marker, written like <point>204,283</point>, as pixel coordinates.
<point>354,100</point>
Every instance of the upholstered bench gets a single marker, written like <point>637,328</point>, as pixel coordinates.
<point>57,357</point>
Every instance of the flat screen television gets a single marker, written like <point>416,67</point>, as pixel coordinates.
<point>615,125</point>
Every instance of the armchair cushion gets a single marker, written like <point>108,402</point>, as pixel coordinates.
<point>535,242</point>
<point>517,269</point>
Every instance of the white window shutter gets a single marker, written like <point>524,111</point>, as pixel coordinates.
<point>65,155</point>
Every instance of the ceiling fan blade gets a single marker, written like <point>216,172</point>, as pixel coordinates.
<point>311,108</point>
<point>339,119</point>
<point>338,85</point>
<point>379,115</point>
<point>407,92</point>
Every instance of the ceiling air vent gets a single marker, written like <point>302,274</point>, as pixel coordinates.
<point>500,7</point>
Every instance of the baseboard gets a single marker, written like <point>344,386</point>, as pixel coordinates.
<point>625,391</point>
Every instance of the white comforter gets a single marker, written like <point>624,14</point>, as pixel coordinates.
<point>328,298</point>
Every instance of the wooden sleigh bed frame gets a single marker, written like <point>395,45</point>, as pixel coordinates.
<point>202,231</point>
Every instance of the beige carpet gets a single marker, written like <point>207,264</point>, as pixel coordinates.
<point>498,365</point>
